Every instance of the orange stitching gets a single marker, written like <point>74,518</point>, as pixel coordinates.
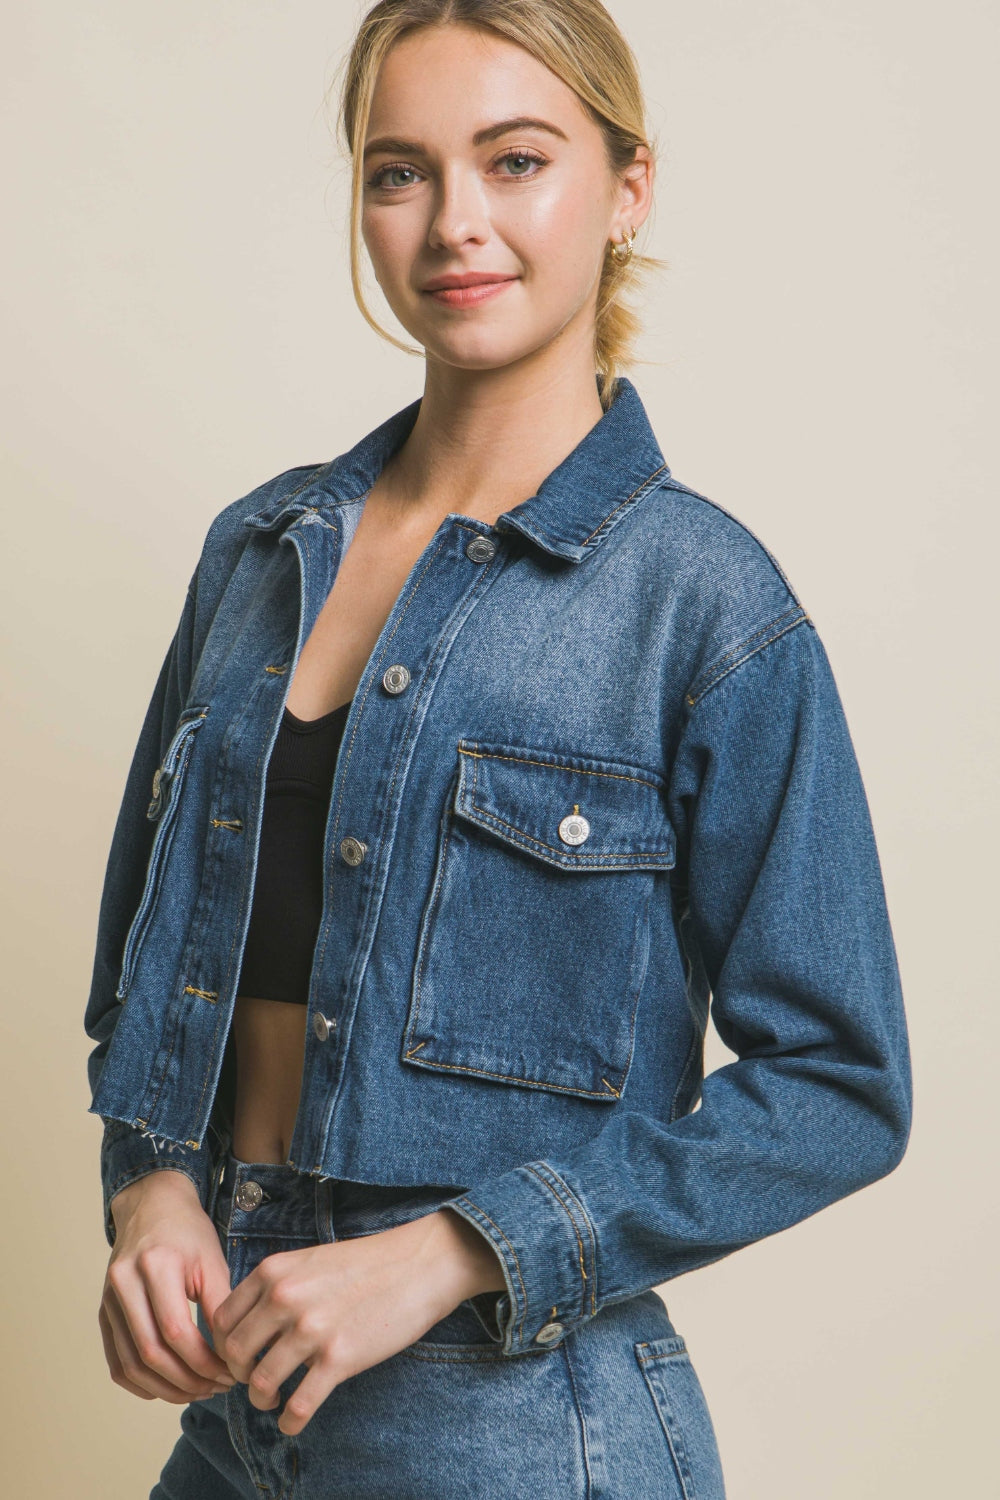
<point>590,1234</point>
<point>722,660</point>
<point>190,989</point>
<point>566,862</point>
<point>569,1214</point>
<point>508,1077</point>
<point>526,760</point>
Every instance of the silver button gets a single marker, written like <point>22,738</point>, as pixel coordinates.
<point>352,851</point>
<point>480,549</point>
<point>574,828</point>
<point>549,1333</point>
<point>396,678</point>
<point>323,1025</point>
<point>248,1195</point>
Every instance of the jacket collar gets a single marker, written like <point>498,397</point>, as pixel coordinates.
<point>614,466</point>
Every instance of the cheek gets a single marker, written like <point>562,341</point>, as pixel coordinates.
<point>560,240</point>
<point>391,241</point>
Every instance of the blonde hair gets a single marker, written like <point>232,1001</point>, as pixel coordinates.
<point>578,41</point>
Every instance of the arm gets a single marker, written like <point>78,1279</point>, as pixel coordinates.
<point>782,915</point>
<point>128,1153</point>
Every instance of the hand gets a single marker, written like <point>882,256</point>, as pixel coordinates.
<point>166,1252</point>
<point>340,1308</point>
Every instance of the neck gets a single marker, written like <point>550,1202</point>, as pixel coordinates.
<point>483,441</point>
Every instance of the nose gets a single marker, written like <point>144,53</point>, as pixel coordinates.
<point>459,213</point>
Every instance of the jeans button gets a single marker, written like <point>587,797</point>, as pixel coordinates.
<point>248,1195</point>
<point>396,678</point>
<point>549,1333</point>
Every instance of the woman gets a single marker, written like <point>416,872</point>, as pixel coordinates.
<point>481,758</point>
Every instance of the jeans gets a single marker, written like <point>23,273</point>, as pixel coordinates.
<point>615,1410</point>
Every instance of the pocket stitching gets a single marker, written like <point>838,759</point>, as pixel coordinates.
<point>672,1349</point>
<point>431,915</point>
<point>613,859</point>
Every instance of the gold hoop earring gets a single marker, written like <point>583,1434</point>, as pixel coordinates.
<point>627,243</point>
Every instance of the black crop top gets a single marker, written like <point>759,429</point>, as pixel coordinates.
<point>288,887</point>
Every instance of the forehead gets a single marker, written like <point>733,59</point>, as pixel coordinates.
<point>453,80</point>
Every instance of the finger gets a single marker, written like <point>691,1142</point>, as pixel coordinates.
<point>237,1328</point>
<point>281,1360</point>
<point>128,1369</point>
<point>178,1331</point>
<point>137,1336</point>
<point>215,1287</point>
<point>114,1360</point>
<point>234,1307</point>
<point>307,1397</point>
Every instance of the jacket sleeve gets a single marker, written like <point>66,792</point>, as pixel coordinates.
<point>128,1153</point>
<point>783,917</point>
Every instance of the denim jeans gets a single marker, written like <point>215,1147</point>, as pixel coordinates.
<point>614,1410</point>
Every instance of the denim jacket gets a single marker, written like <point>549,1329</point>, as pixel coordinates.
<point>596,775</point>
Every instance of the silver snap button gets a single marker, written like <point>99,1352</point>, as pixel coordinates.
<point>480,549</point>
<point>574,828</point>
<point>549,1333</point>
<point>248,1195</point>
<point>396,678</point>
<point>352,851</point>
<point>323,1025</point>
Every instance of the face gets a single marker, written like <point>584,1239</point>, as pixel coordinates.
<point>453,188</point>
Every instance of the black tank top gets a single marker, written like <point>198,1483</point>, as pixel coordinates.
<point>288,887</point>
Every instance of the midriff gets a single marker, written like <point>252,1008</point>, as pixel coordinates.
<point>270,1037</point>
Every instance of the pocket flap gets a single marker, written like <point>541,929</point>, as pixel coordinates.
<point>570,810</point>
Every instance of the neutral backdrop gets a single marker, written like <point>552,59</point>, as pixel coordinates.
<point>179,327</point>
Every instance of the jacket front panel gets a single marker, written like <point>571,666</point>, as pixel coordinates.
<point>595,778</point>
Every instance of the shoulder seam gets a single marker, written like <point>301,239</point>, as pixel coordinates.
<point>686,489</point>
<point>723,665</point>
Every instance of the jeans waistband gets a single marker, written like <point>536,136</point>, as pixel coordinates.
<point>276,1201</point>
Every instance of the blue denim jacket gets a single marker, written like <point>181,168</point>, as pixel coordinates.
<point>595,774</point>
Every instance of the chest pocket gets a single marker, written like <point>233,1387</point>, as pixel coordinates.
<point>534,939</point>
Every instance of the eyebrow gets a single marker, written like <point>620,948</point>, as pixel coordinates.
<point>488,133</point>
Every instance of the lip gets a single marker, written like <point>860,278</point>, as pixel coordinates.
<point>467,291</point>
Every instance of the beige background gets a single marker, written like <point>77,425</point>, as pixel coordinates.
<point>179,327</point>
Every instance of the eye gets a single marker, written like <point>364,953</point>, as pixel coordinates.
<point>518,154</point>
<point>375,181</point>
<point>524,155</point>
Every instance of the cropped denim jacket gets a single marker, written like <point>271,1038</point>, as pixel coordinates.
<point>596,784</point>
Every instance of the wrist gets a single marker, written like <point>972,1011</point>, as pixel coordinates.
<point>476,1266</point>
<point>162,1182</point>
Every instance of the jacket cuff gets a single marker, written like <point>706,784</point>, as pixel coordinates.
<point>128,1153</point>
<point>546,1244</point>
